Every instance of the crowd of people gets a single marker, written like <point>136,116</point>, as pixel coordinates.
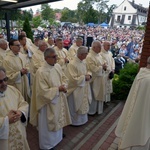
<point>54,86</point>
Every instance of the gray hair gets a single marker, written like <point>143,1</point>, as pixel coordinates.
<point>48,51</point>
<point>82,50</point>
<point>40,42</point>
<point>79,39</point>
<point>2,41</point>
<point>95,43</point>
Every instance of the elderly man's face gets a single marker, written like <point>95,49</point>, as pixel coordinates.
<point>4,46</point>
<point>79,43</point>
<point>15,47</point>
<point>43,46</point>
<point>60,44</point>
<point>3,81</point>
<point>107,46</point>
<point>51,59</point>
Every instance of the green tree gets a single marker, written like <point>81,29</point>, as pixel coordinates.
<point>27,29</point>
<point>102,6</point>
<point>36,21</point>
<point>82,9</point>
<point>110,11</point>
<point>68,15</point>
<point>47,12</point>
<point>90,16</point>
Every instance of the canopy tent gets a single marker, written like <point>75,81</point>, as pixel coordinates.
<point>90,24</point>
<point>105,25</point>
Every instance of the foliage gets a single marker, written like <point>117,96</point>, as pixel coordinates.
<point>122,82</point>
<point>86,12</point>
<point>47,12</point>
<point>90,16</point>
<point>36,21</point>
<point>110,11</point>
<point>141,28</point>
<point>101,7</point>
<point>68,15</point>
<point>27,29</point>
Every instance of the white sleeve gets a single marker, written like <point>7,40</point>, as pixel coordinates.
<point>4,130</point>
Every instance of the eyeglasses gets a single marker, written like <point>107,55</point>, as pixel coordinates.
<point>17,45</point>
<point>54,57</point>
<point>4,80</point>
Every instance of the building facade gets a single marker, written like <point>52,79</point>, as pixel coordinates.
<point>129,14</point>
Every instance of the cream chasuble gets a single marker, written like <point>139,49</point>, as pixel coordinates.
<point>37,61</point>
<point>13,64</point>
<point>46,93</point>
<point>72,52</point>
<point>134,123</point>
<point>12,136</point>
<point>94,63</point>
<point>76,71</point>
<point>107,56</point>
<point>62,53</point>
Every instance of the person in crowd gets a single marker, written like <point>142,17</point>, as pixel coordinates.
<point>50,42</point>
<point>28,40</point>
<point>38,57</point>
<point>119,63</point>
<point>123,50</point>
<point>72,52</point>
<point>79,94</point>
<point>107,56</point>
<point>49,108</point>
<point>63,58</point>
<point>97,66</point>
<point>133,132</point>
<point>24,49</point>
<point>3,48</point>
<point>16,69</point>
<point>13,116</point>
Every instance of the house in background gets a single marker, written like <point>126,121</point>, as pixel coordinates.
<point>128,14</point>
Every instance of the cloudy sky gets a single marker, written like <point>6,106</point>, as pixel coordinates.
<point>72,4</point>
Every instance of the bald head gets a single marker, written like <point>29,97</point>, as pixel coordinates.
<point>106,45</point>
<point>96,46</point>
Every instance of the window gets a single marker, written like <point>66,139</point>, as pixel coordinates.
<point>129,17</point>
<point>125,8</point>
<point>118,18</point>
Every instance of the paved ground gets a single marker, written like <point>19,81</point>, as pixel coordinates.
<point>97,134</point>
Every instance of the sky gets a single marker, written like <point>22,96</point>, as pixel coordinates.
<point>72,4</point>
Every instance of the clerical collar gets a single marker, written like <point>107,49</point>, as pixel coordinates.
<point>2,94</point>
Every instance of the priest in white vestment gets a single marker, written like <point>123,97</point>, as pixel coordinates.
<point>38,57</point>
<point>79,92</point>
<point>97,66</point>
<point>3,48</point>
<point>134,124</point>
<point>29,43</point>
<point>50,42</point>
<point>16,69</point>
<point>72,52</point>
<point>62,53</point>
<point>107,56</point>
<point>49,108</point>
<point>13,116</point>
